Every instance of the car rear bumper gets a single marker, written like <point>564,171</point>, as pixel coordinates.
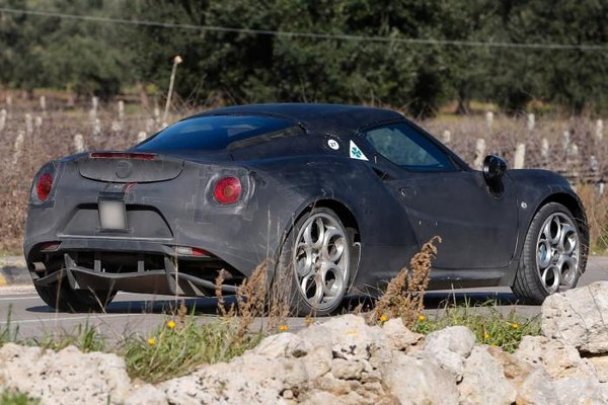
<point>140,266</point>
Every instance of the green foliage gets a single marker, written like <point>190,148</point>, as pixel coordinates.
<point>101,58</point>
<point>8,332</point>
<point>16,398</point>
<point>85,337</point>
<point>174,349</point>
<point>489,325</point>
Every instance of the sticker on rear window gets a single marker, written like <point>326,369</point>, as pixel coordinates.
<point>355,152</point>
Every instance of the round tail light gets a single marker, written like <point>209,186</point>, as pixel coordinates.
<point>227,190</point>
<point>44,186</point>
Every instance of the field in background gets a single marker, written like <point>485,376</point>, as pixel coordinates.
<point>37,131</point>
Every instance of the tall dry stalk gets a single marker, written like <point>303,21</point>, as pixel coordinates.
<point>404,294</point>
<point>251,297</point>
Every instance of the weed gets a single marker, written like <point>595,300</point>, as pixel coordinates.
<point>404,294</point>
<point>16,398</point>
<point>173,351</point>
<point>490,326</point>
<point>8,332</point>
<point>85,337</point>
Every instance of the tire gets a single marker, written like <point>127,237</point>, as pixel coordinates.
<point>553,256</point>
<point>62,297</point>
<point>319,244</point>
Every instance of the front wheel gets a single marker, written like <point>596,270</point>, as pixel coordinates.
<point>60,296</point>
<point>553,257</point>
<point>316,263</point>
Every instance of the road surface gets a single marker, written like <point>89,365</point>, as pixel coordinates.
<point>139,314</point>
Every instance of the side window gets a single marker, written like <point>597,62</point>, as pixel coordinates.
<point>408,148</point>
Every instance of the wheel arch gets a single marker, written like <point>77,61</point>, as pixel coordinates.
<point>574,204</point>
<point>341,209</point>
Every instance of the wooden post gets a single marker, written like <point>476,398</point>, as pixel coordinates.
<point>446,136</point>
<point>531,122</point>
<point>566,140</point>
<point>18,147</point>
<point>43,104</point>
<point>544,149</point>
<point>29,126</point>
<point>141,136</point>
<point>490,120</point>
<point>520,156</point>
<point>96,127</point>
<point>176,61</point>
<point>480,153</point>
<point>79,143</point>
<point>2,119</point>
<point>121,110</point>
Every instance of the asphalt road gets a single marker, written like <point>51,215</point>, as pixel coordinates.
<point>139,314</point>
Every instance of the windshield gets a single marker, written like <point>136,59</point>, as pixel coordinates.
<point>212,133</point>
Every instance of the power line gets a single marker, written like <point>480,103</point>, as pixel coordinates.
<point>310,35</point>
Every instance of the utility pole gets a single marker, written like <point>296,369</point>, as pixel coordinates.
<point>176,61</point>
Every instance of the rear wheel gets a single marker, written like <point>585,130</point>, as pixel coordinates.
<point>553,258</point>
<point>316,263</point>
<point>60,296</point>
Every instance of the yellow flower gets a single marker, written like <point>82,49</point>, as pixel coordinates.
<point>152,341</point>
<point>515,325</point>
<point>421,318</point>
<point>486,335</point>
<point>171,324</point>
<point>283,328</point>
<point>383,318</point>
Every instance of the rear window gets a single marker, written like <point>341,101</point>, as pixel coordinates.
<point>212,133</point>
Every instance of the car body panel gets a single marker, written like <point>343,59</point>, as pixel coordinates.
<point>169,202</point>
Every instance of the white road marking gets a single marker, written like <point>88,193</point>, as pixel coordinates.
<point>74,318</point>
<point>32,297</point>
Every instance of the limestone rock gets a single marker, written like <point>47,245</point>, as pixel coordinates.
<point>68,376</point>
<point>578,317</point>
<point>600,364</point>
<point>400,337</point>
<point>450,347</point>
<point>558,360</point>
<point>484,380</point>
<point>418,379</point>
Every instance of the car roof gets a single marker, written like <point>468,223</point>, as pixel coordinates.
<point>329,118</point>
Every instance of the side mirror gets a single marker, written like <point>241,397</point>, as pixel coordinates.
<point>494,168</point>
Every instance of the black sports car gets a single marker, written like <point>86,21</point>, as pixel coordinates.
<point>337,197</point>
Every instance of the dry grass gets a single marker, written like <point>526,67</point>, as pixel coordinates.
<point>404,294</point>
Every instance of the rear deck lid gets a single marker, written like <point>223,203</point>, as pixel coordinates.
<point>129,167</point>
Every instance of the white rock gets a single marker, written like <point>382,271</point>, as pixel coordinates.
<point>146,395</point>
<point>400,337</point>
<point>418,379</point>
<point>579,317</point>
<point>67,377</point>
<point>450,347</point>
<point>276,346</point>
<point>600,364</point>
<point>583,391</point>
<point>557,359</point>
<point>249,379</point>
<point>537,389</point>
<point>484,381</point>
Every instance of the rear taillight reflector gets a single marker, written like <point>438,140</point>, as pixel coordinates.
<point>123,155</point>
<point>190,251</point>
<point>44,185</point>
<point>227,190</point>
<point>49,247</point>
